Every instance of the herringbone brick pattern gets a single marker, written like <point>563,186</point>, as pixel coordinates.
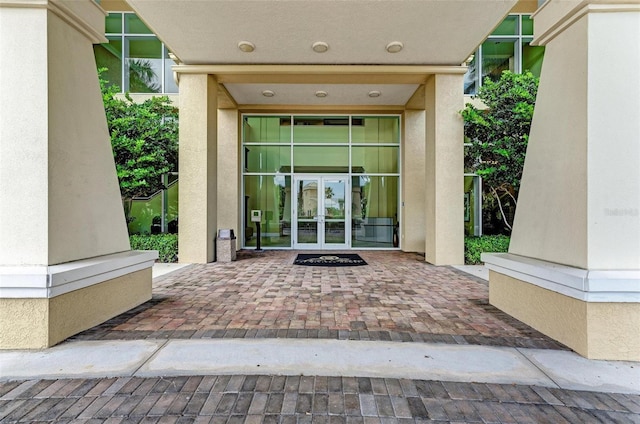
<point>396,297</point>
<point>302,399</point>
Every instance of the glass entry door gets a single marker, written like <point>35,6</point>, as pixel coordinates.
<point>322,212</point>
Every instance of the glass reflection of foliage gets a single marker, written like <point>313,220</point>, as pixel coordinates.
<point>142,77</point>
<point>328,193</point>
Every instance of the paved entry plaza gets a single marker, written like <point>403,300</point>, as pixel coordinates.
<point>396,297</point>
<point>261,340</point>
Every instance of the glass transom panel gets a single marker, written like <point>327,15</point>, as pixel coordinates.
<point>322,129</point>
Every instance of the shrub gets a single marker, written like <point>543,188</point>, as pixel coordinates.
<point>498,137</point>
<point>165,244</point>
<point>474,246</point>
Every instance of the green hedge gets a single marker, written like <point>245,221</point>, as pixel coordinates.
<point>165,244</point>
<point>474,246</point>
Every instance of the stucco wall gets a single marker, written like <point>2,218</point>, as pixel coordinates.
<point>23,137</point>
<point>24,323</point>
<point>413,182</point>
<point>229,199</point>
<point>116,5</point>
<point>595,330</point>
<point>40,323</point>
<point>86,217</point>
<point>525,6</point>
<point>444,178</point>
<point>198,168</point>
<point>82,309</point>
<point>58,189</point>
<point>551,218</point>
<point>579,201</point>
<point>613,207</point>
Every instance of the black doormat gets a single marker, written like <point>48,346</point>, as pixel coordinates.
<point>328,259</point>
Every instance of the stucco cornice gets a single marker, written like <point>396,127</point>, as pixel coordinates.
<point>42,281</point>
<point>86,16</point>
<point>554,17</point>
<point>314,74</point>
<point>599,286</point>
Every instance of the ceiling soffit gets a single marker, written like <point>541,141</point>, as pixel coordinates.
<point>436,32</point>
<point>319,85</point>
<point>357,33</point>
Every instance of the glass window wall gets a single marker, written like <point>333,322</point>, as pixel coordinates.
<point>109,56</point>
<point>375,159</point>
<point>374,205</point>
<point>313,129</point>
<point>144,65</point>
<point>365,149</point>
<point>532,58</point>
<point>472,205</point>
<point>272,195</point>
<point>136,60</point>
<point>321,159</point>
<point>507,48</point>
<point>267,158</point>
<point>267,129</point>
<point>376,130</point>
<point>498,56</point>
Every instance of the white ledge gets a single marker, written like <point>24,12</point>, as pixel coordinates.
<point>51,281</point>
<point>619,286</point>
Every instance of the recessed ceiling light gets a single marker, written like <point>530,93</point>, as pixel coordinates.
<point>246,46</point>
<point>321,93</point>
<point>320,47</point>
<point>394,47</point>
<point>268,93</point>
<point>374,93</point>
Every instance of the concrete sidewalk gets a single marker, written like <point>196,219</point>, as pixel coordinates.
<point>348,358</point>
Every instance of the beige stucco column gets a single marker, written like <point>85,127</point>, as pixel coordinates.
<point>229,204</point>
<point>444,200</point>
<point>413,178</point>
<point>573,268</point>
<point>198,168</point>
<point>65,259</point>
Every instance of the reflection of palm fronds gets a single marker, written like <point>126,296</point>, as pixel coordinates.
<point>142,77</point>
<point>328,193</point>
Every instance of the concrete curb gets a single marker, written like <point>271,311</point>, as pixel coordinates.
<point>425,361</point>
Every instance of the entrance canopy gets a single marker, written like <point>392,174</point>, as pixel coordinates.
<point>324,36</point>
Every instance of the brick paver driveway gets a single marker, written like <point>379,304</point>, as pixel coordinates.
<point>397,296</point>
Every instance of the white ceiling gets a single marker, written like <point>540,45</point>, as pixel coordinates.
<point>340,94</point>
<point>433,32</point>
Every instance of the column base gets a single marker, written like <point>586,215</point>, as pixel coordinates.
<point>570,305</point>
<point>71,298</point>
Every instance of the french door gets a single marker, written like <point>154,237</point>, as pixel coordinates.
<point>322,212</point>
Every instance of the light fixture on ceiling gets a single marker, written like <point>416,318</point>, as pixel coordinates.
<point>320,47</point>
<point>246,46</point>
<point>374,93</point>
<point>321,93</point>
<point>268,93</point>
<point>394,47</point>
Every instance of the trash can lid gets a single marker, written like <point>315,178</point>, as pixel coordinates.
<point>226,234</point>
